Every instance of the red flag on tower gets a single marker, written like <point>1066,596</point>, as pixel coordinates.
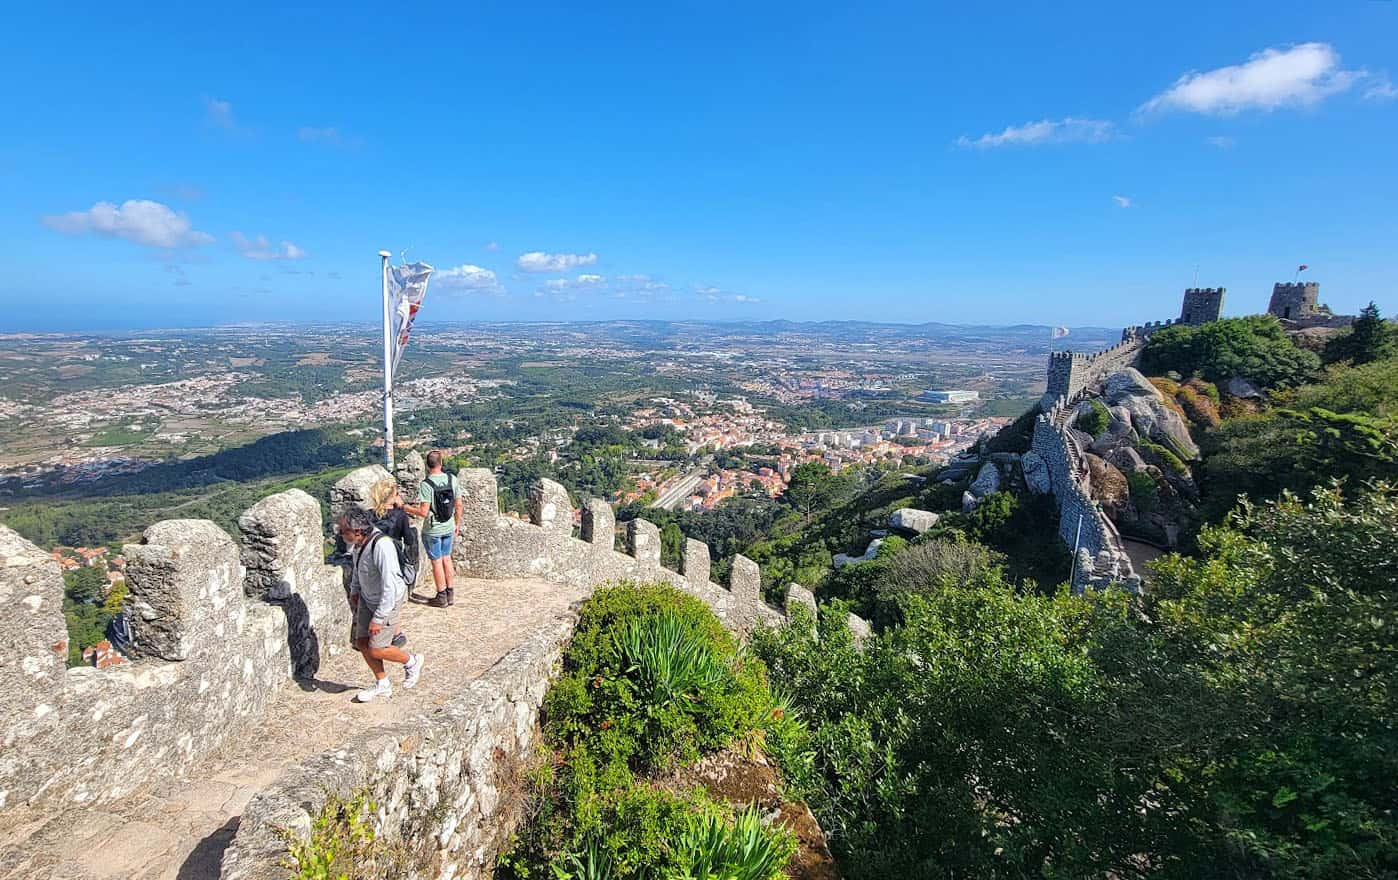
<point>1303,267</point>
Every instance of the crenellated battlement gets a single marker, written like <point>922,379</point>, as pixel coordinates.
<point>216,631</point>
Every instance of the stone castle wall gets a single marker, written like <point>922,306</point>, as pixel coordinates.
<point>447,785</point>
<point>1070,372</point>
<point>216,631</point>
<point>1202,305</point>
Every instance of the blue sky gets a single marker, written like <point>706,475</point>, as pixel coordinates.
<point>204,163</point>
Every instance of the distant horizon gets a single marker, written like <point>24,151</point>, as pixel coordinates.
<point>424,325</point>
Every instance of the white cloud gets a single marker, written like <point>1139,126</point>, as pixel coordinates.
<point>1300,75</point>
<point>1222,141</point>
<point>1122,201</point>
<point>469,277</point>
<point>556,286</point>
<point>1381,89</point>
<point>538,261</point>
<point>260,248</point>
<point>219,113</point>
<point>719,295</point>
<point>492,246</point>
<point>139,220</point>
<point>640,283</point>
<point>1045,131</point>
<point>311,133</point>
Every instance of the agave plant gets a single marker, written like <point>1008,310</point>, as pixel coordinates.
<point>592,863</point>
<point>667,660</point>
<point>711,849</point>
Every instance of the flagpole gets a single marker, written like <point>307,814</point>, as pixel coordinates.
<point>387,366</point>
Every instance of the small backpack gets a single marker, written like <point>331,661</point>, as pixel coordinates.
<point>443,500</point>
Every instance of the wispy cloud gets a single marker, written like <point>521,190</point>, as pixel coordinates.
<point>1380,89</point>
<point>1046,131</point>
<point>259,248</point>
<point>1222,141</point>
<point>538,261</point>
<point>311,133</point>
<point>1122,201</point>
<point>137,220</point>
<point>1291,76</point>
<point>719,295</point>
<point>219,114</point>
<point>492,246</point>
<point>467,277</point>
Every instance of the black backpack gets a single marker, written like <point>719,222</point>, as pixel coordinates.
<point>443,500</point>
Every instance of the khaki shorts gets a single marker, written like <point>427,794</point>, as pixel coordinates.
<point>364,615</point>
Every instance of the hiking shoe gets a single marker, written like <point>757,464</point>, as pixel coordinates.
<point>451,595</point>
<point>440,600</point>
<point>400,640</point>
<point>382,688</point>
<point>411,670</point>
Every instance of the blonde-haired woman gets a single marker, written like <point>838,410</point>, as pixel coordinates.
<point>392,520</point>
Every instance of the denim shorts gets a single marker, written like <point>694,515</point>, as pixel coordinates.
<point>437,546</point>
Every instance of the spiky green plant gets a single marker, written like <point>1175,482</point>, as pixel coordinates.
<point>712,849</point>
<point>667,661</point>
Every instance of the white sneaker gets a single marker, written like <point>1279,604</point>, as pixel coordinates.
<point>411,670</point>
<point>383,688</point>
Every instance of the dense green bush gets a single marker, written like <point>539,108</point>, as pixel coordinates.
<point>651,681</point>
<point>1255,348</point>
<point>1236,723</point>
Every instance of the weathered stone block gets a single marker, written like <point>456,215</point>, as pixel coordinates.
<point>352,490</point>
<point>182,580</point>
<point>32,628</point>
<point>480,502</point>
<point>281,544</point>
<point>745,581</point>
<point>599,523</point>
<point>643,541</point>
<point>695,563</point>
<point>859,628</point>
<point>799,595</point>
<point>913,520</point>
<point>550,508</point>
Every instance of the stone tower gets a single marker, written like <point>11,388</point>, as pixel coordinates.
<point>1201,305</point>
<point>1294,302</point>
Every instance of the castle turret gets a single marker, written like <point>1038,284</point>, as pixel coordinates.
<point>1202,305</point>
<point>1294,302</point>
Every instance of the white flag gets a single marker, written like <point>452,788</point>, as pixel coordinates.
<point>1058,332</point>
<point>407,285</point>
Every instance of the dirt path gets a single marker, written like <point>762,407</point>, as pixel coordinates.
<point>178,830</point>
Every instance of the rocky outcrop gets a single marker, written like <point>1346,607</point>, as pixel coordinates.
<point>1109,486</point>
<point>987,482</point>
<point>1036,475</point>
<point>1150,416</point>
<point>910,519</point>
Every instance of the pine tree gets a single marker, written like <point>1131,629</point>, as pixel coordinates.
<point>1370,338</point>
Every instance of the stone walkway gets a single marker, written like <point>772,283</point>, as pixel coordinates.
<point>178,830</point>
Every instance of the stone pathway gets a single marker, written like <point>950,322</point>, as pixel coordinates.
<point>177,830</point>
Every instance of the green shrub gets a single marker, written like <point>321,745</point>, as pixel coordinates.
<point>341,841</point>
<point>1096,419</point>
<point>651,681</point>
<point>1144,493</point>
<point>1166,457</point>
<point>745,850</point>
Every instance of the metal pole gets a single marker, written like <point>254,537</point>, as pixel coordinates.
<point>1077,541</point>
<point>387,367</point>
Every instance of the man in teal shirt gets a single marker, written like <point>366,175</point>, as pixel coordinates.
<point>439,503</point>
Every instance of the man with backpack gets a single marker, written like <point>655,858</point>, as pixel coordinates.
<point>440,503</point>
<point>377,594</point>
